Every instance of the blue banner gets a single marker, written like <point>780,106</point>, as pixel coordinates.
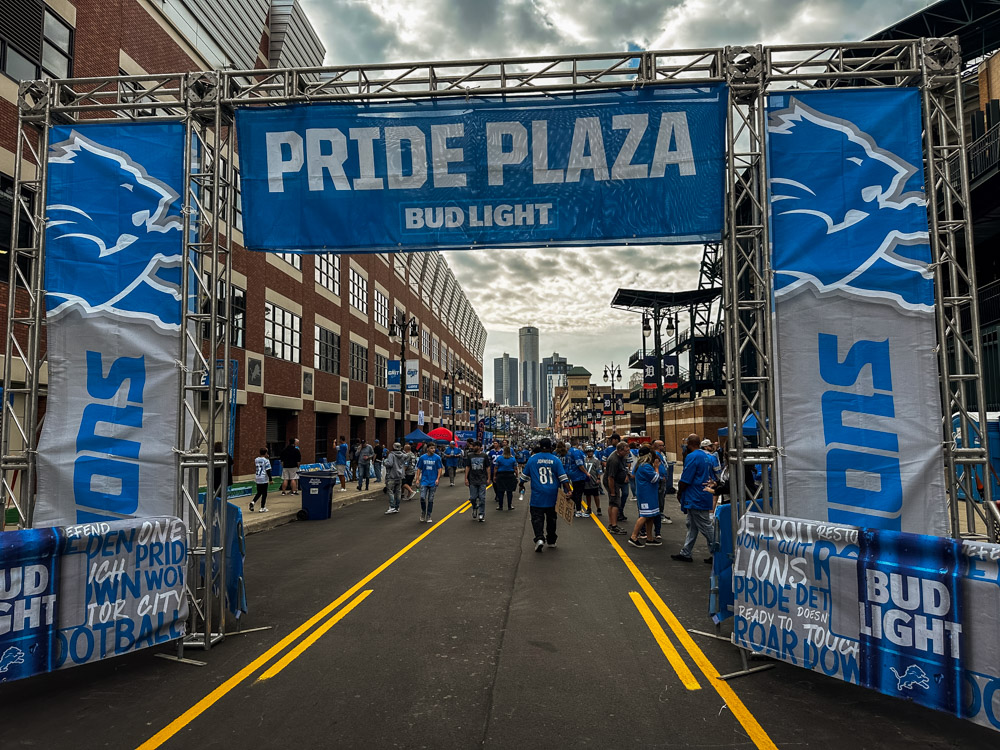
<point>393,374</point>
<point>28,594</point>
<point>854,311</point>
<point>638,165</point>
<point>447,403</point>
<point>113,259</point>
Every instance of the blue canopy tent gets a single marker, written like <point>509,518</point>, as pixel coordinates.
<point>418,436</point>
<point>749,428</point>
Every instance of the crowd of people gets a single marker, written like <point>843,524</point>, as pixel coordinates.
<point>588,474</point>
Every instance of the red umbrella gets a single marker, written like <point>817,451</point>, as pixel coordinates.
<point>441,433</point>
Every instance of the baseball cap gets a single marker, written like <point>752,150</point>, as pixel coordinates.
<point>706,443</point>
<point>545,444</point>
<point>395,446</point>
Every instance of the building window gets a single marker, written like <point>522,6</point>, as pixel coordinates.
<point>381,371</point>
<point>238,318</point>
<point>238,184</point>
<point>326,358</point>
<point>435,350</point>
<point>425,342</point>
<point>282,333</point>
<point>34,42</point>
<point>292,259</point>
<point>57,50</point>
<point>425,387</point>
<point>381,309</point>
<point>359,362</point>
<point>436,392</point>
<point>327,271</point>
<point>399,263</point>
<point>359,292</point>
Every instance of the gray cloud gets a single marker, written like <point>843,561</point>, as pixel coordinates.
<point>567,292</point>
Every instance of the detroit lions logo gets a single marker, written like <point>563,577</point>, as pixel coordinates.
<point>113,236</point>
<point>10,657</point>
<point>849,217</point>
<point>913,676</point>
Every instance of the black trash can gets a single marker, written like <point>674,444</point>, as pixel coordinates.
<point>317,495</point>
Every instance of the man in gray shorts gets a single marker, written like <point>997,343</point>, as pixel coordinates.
<point>291,456</point>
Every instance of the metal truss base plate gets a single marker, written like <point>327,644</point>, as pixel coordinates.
<point>198,641</point>
<point>182,660</point>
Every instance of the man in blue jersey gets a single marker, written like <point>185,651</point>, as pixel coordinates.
<point>522,457</point>
<point>429,471</point>
<point>546,473</point>
<point>696,501</point>
<point>452,460</point>
<point>574,465</point>
<point>341,462</point>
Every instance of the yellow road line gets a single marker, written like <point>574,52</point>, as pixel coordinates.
<point>666,646</point>
<point>742,714</point>
<point>314,636</point>
<point>213,697</point>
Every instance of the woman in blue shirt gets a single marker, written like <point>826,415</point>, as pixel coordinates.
<point>505,478</point>
<point>647,493</point>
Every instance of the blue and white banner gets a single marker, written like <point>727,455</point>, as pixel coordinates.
<point>413,376</point>
<point>638,165</point>
<point>113,305</point>
<point>909,615</point>
<point>392,376</point>
<point>77,594</point>
<point>447,403</point>
<point>858,390</point>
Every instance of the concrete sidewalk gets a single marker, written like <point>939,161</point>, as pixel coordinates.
<point>284,508</point>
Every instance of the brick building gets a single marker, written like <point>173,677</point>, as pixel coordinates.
<point>310,332</point>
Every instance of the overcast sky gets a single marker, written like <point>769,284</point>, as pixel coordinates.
<point>567,293</point>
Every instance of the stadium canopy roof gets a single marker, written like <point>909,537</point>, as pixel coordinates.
<point>638,298</point>
<point>976,23</point>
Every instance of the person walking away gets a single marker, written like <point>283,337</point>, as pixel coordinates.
<point>477,476</point>
<point>546,473</point>
<point>592,485</point>
<point>452,460</point>
<point>573,463</point>
<point>696,501</point>
<point>522,458</point>
<point>616,476</point>
<point>342,462</point>
<point>505,478</point>
<point>647,497</point>
<point>355,453</point>
<point>395,472</point>
<point>262,477</point>
<point>378,460</point>
<point>664,488</point>
<point>409,492</point>
<point>429,471</point>
<point>366,455</point>
<point>290,458</point>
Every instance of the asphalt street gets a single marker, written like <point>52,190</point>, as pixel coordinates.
<point>388,633</point>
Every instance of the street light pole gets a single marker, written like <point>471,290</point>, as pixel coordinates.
<point>453,377</point>
<point>400,327</point>
<point>658,362</point>
<point>613,372</point>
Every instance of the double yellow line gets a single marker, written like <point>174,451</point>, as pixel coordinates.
<point>750,724</point>
<point>226,687</point>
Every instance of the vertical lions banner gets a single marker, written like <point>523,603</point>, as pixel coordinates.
<point>641,164</point>
<point>910,615</point>
<point>858,395</point>
<point>113,305</point>
<point>77,594</point>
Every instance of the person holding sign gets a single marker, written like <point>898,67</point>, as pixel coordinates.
<point>546,473</point>
<point>647,495</point>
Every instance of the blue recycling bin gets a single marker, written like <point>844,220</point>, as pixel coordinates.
<point>317,495</point>
<point>276,468</point>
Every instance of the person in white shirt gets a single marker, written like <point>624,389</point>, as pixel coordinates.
<point>262,476</point>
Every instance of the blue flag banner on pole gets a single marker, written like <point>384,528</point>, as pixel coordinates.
<point>393,372</point>
<point>447,403</point>
<point>637,165</point>
<point>854,311</point>
<point>113,243</point>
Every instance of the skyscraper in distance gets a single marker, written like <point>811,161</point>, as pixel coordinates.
<point>551,375</point>
<point>528,351</point>
<point>505,380</point>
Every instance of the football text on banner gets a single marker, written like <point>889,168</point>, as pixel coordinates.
<point>909,615</point>
<point>854,311</point>
<point>89,592</point>
<point>113,310</point>
<point>459,173</point>
<point>392,376</point>
<point>671,367</point>
<point>412,375</point>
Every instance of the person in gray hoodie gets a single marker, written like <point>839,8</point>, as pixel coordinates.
<point>395,472</point>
